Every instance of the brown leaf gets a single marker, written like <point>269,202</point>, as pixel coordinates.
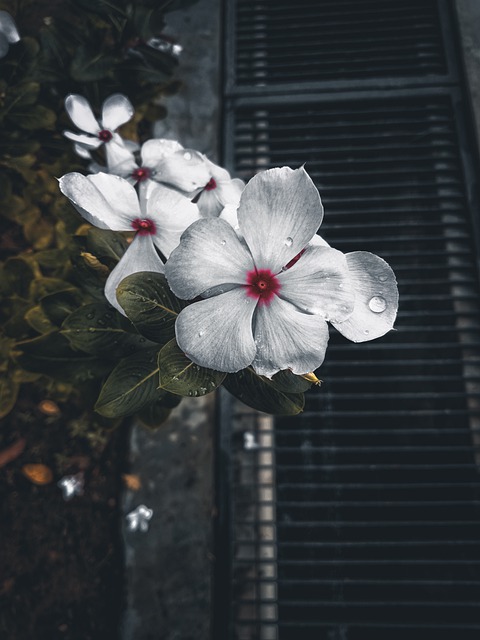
<point>12,452</point>
<point>37,473</point>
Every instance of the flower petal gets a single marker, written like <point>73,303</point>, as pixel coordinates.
<point>209,254</point>
<point>185,170</point>
<point>89,201</point>
<point>83,152</point>
<point>81,114</point>
<point>116,110</point>
<point>140,256</point>
<point>279,212</point>
<point>8,27</point>
<point>217,333</point>
<point>121,196</point>
<point>212,202</point>
<point>91,142</point>
<point>120,160</point>
<point>157,149</point>
<point>172,213</point>
<point>319,283</point>
<point>288,339</point>
<point>376,298</point>
<point>318,241</point>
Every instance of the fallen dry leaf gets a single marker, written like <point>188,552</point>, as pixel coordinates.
<point>37,473</point>
<point>12,452</point>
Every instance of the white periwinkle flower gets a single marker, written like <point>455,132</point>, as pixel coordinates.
<point>8,33</point>
<point>139,518</point>
<point>116,110</point>
<point>71,486</point>
<point>159,217</point>
<point>267,299</point>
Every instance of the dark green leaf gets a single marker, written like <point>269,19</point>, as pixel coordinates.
<point>130,386</point>
<point>17,276</point>
<point>59,305</point>
<point>88,65</point>
<point>8,394</point>
<point>150,305</point>
<point>37,319</point>
<point>98,329</point>
<point>156,413</point>
<point>52,355</point>
<point>36,117</point>
<point>258,392</point>
<point>180,375</point>
<point>104,243</point>
<point>289,382</point>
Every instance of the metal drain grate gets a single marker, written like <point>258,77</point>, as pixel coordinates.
<point>371,524</point>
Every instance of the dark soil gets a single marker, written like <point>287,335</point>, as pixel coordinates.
<point>61,562</point>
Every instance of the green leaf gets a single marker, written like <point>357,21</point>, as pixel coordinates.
<point>181,376</point>
<point>32,118</point>
<point>104,243</point>
<point>259,392</point>
<point>59,305</point>
<point>17,275</point>
<point>130,386</point>
<point>98,329</point>
<point>88,65</point>
<point>52,355</point>
<point>37,319</point>
<point>8,394</point>
<point>153,415</point>
<point>289,382</point>
<point>150,305</point>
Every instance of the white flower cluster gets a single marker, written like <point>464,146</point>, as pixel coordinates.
<point>268,284</point>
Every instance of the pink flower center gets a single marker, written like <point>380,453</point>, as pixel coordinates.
<point>144,227</point>
<point>262,284</point>
<point>105,135</point>
<point>141,174</point>
<point>211,185</point>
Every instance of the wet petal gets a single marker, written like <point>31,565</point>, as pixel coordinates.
<point>8,27</point>
<point>288,339</point>
<point>319,283</point>
<point>155,150</point>
<point>376,298</point>
<point>117,110</point>
<point>121,196</point>
<point>185,170</point>
<point>90,142</point>
<point>209,204</point>
<point>89,201</point>
<point>279,212</point>
<point>140,256</point>
<point>81,114</point>
<point>210,254</point>
<point>217,333</point>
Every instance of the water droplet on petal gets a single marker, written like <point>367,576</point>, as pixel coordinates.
<point>383,277</point>
<point>288,242</point>
<point>377,304</point>
<point>200,334</point>
<point>187,155</point>
<point>366,332</point>
<point>223,243</point>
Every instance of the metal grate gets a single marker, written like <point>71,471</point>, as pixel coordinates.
<point>285,41</point>
<point>360,519</point>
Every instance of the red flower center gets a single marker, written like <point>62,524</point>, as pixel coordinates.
<point>211,185</point>
<point>140,174</point>
<point>105,135</point>
<point>144,227</point>
<point>262,284</point>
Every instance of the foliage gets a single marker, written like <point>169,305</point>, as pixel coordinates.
<point>54,322</point>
